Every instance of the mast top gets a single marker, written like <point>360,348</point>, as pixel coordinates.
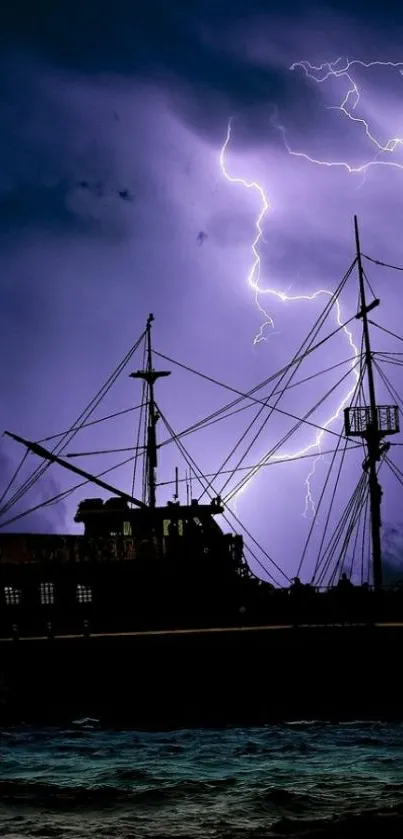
<point>150,376</point>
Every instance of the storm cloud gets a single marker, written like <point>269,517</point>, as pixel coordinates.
<point>114,115</point>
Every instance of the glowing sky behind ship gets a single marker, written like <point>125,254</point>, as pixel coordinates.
<point>111,169</point>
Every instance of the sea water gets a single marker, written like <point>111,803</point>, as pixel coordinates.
<point>302,779</point>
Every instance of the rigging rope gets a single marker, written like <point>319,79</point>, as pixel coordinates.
<point>383,329</point>
<point>88,424</point>
<point>286,437</point>
<point>355,396</point>
<point>290,371</point>
<point>331,546</point>
<point>219,415</point>
<point>83,417</point>
<point>306,347</point>
<point>306,343</point>
<point>353,508</point>
<point>105,451</point>
<point>395,469</point>
<point>14,476</point>
<point>200,477</point>
<point>269,463</point>
<point>365,537</point>
<point>64,494</point>
<point>397,362</point>
<point>359,503</point>
<point>384,264</point>
<point>391,390</point>
<point>357,533</point>
<point>249,396</point>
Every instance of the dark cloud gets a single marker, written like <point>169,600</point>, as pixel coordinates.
<point>195,51</point>
<point>183,47</point>
<point>30,206</point>
<point>123,36</point>
<point>49,145</point>
<point>131,36</point>
<point>125,195</point>
<point>57,173</point>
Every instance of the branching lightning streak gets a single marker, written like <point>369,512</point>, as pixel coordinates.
<point>350,102</point>
<point>253,279</point>
<point>254,273</point>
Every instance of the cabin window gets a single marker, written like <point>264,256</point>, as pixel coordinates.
<point>12,596</point>
<point>84,594</point>
<point>169,527</point>
<point>47,592</point>
<point>127,528</point>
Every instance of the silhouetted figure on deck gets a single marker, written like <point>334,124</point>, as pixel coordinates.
<point>296,592</point>
<point>344,591</point>
<point>344,584</point>
<point>296,584</point>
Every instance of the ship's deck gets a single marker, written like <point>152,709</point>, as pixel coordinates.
<point>207,631</point>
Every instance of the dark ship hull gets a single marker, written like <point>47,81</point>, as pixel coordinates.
<point>205,678</point>
<point>154,644</point>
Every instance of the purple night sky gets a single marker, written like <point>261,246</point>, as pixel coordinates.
<point>113,117</point>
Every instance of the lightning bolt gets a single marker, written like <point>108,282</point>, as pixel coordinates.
<point>336,69</point>
<point>253,279</point>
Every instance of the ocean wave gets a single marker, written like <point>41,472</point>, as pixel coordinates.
<point>307,723</point>
<point>251,822</point>
<point>132,774</point>
<point>387,823</point>
<point>304,780</point>
<point>39,793</point>
<point>301,747</point>
<point>369,741</point>
<point>286,799</point>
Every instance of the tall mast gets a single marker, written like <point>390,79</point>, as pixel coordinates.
<point>371,422</point>
<point>149,375</point>
<point>373,433</point>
